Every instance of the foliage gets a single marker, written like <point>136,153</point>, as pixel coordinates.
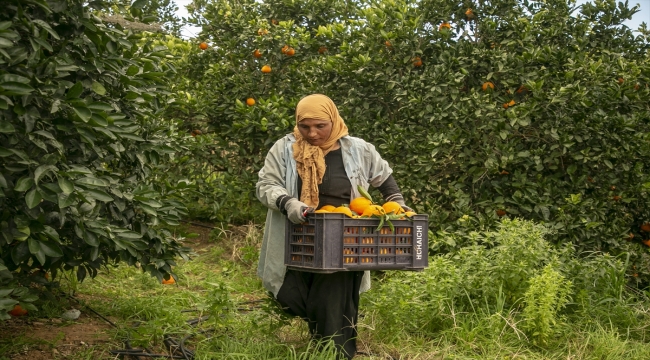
<point>569,149</point>
<point>498,281</point>
<point>547,294</point>
<point>80,137</point>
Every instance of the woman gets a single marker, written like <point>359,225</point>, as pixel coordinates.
<point>318,164</point>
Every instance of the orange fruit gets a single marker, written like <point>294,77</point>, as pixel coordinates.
<point>521,89</point>
<point>196,132</point>
<point>170,281</point>
<point>501,212</point>
<point>266,69</point>
<point>645,227</point>
<point>274,22</point>
<point>359,205</point>
<point>388,44</point>
<point>410,213</point>
<point>487,85</point>
<point>250,101</point>
<point>469,13</point>
<point>630,236</point>
<point>392,207</point>
<point>621,81</point>
<point>417,62</point>
<point>444,25</point>
<point>322,50</point>
<point>257,53</point>
<point>327,207</point>
<point>262,32</point>
<point>290,52</point>
<point>505,105</point>
<point>321,211</point>
<point>203,46</point>
<point>343,210</point>
<point>647,242</point>
<point>616,198</point>
<point>503,172</point>
<point>511,103</point>
<point>17,311</point>
<point>373,210</point>
<point>284,49</point>
<point>637,87</point>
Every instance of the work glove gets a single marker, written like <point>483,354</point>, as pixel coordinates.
<point>296,210</point>
<point>403,205</point>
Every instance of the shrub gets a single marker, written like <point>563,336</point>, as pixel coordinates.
<point>547,294</point>
<point>80,135</point>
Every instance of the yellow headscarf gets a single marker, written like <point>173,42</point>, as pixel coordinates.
<point>310,159</point>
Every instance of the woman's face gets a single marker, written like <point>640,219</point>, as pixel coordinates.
<point>315,131</point>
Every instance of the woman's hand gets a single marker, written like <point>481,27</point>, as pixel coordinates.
<point>296,210</point>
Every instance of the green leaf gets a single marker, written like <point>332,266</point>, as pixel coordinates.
<point>139,4</point>
<point>44,44</point>
<point>51,233</point>
<point>4,25</point>
<point>91,239</point>
<point>33,198</point>
<point>34,245</point>
<point>65,200</point>
<point>75,91</point>
<point>99,195</point>
<point>131,137</point>
<point>24,183</point>
<point>6,128</point>
<point>14,78</point>
<point>3,181</point>
<point>66,185</point>
<point>47,28</point>
<point>98,88</point>
<point>5,43</point>
<point>100,106</point>
<point>83,112</point>
<point>149,210</point>
<point>5,152</point>
<point>132,70</point>
<point>15,88</point>
<point>42,170</point>
<point>129,235</point>
<point>98,120</point>
<point>51,249</point>
<point>91,181</point>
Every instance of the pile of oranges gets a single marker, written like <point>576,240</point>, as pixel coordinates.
<point>364,207</point>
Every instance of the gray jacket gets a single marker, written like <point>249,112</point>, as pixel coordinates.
<point>363,165</point>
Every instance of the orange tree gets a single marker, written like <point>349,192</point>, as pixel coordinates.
<point>483,108</point>
<point>80,134</point>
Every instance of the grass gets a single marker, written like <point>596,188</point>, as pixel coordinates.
<point>243,323</point>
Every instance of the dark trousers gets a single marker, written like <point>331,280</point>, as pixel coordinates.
<point>328,302</point>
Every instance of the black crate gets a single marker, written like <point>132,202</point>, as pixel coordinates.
<point>330,242</point>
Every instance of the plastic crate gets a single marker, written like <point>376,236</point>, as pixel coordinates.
<point>330,242</point>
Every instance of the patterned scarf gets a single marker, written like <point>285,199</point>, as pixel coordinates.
<point>310,159</point>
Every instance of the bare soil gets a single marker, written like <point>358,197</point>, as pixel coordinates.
<point>54,338</point>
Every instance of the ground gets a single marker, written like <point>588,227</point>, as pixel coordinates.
<point>88,337</point>
<point>55,338</point>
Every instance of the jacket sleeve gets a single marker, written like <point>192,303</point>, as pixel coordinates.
<point>377,168</point>
<point>271,182</point>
